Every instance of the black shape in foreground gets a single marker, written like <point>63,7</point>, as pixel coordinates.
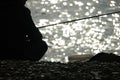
<point>105,57</point>
<point>24,41</point>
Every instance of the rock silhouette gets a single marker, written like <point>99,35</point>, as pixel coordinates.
<point>105,57</point>
<point>23,39</point>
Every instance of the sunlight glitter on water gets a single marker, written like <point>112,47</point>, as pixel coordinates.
<point>88,36</point>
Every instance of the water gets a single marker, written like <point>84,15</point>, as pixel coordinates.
<point>87,36</point>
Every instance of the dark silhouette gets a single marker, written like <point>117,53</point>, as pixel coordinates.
<point>105,57</point>
<point>24,40</point>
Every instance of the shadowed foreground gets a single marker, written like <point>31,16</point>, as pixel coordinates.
<point>29,70</point>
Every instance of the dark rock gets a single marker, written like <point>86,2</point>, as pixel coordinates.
<point>30,70</point>
<point>105,57</point>
<point>22,39</point>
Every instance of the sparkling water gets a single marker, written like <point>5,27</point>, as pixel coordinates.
<point>77,27</point>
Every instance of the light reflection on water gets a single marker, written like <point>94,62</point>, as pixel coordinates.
<point>88,36</point>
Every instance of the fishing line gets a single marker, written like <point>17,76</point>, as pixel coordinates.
<point>78,19</point>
